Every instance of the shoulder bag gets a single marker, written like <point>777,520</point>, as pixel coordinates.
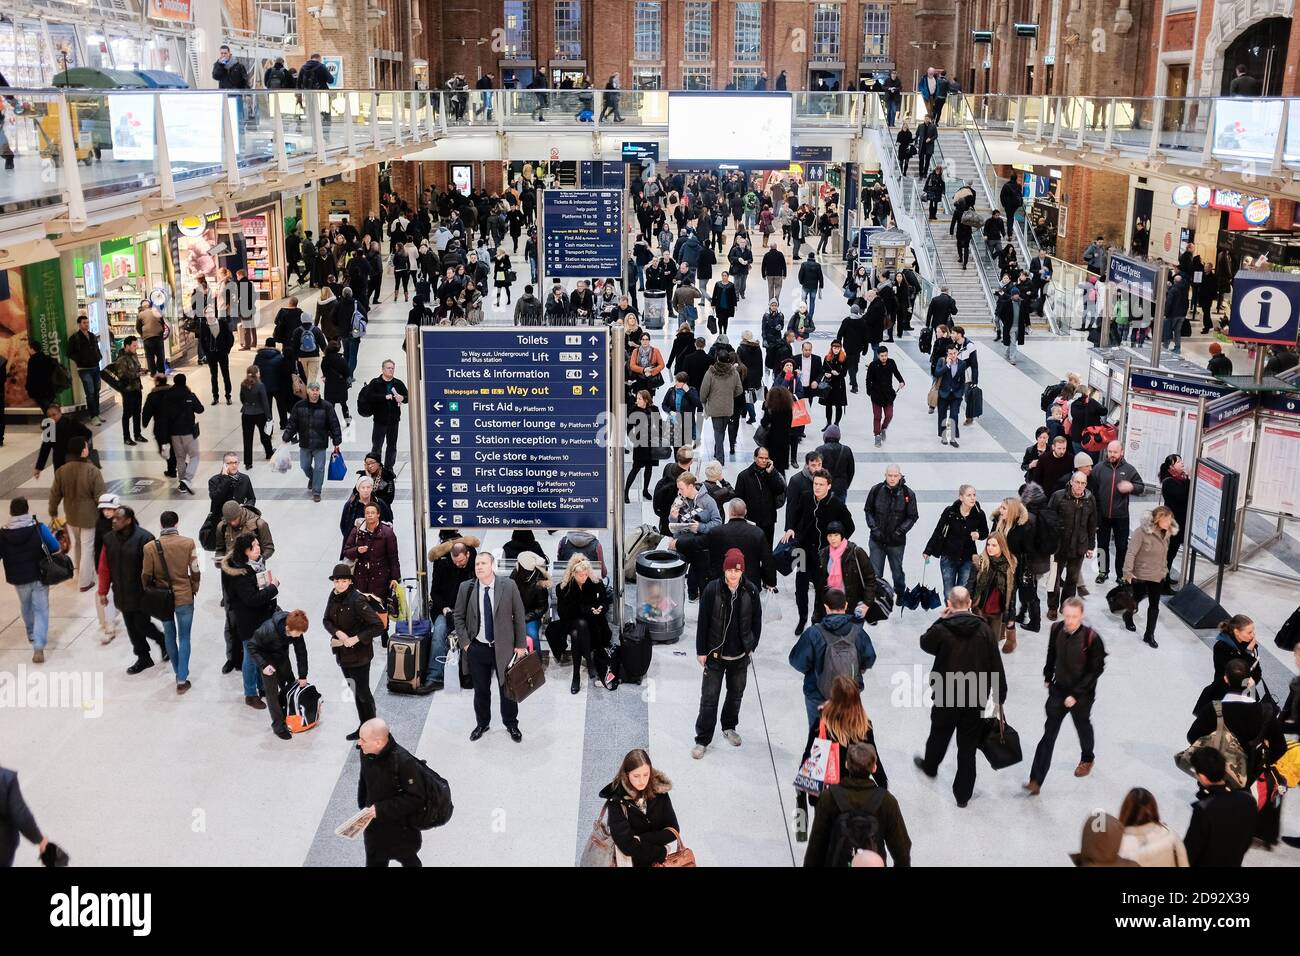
<point>600,850</point>
<point>54,568</point>
<point>159,602</point>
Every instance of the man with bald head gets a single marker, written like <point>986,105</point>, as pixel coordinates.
<point>967,671</point>
<point>391,791</point>
<point>1113,480</point>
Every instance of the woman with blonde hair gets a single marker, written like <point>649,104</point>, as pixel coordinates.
<point>1015,522</point>
<point>993,589</point>
<point>582,603</point>
<point>1146,565</point>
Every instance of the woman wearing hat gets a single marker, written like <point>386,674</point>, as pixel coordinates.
<point>110,621</point>
<point>353,625</point>
<point>533,580</point>
<point>583,604</point>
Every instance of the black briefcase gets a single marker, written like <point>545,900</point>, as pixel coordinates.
<point>523,676</point>
<point>1000,743</point>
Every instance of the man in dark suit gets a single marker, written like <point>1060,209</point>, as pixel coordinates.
<point>491,629</point>
<point>746,537</point>
<point>952,387</point>
<point>15,819</point>
<point>808,367</point>
<point>942,308</point>
<point>1223,820</point>
<point>695,364</point>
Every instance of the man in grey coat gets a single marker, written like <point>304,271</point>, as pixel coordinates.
<point>491,630</point>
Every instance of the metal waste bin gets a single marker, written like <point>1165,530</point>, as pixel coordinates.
<point>656,304</point>
<point>661,595</point>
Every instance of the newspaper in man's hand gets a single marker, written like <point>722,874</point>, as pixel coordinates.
<point>354,826</point>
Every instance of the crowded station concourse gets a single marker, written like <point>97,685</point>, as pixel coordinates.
<point>877,528</point>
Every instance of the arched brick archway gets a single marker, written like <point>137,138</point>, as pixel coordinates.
<point>1231,18</point>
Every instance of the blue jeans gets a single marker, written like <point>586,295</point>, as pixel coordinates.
<point>179,649</point>
<point>640,277</point>
<point>955,573</point>
<point>314,466</point>
<point>252,679</point>
<point>1173,329</point>
<point>438,647</point>
<point>350,349</point>
<point>532,270</point>
<point>878,553</point>
<point>811,296</point>
<point>891,110</point>
<point>34,599</point>
<point>90,384</point>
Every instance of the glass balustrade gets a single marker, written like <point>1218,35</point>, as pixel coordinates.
<point>32,137</point>
<point>253,124</point>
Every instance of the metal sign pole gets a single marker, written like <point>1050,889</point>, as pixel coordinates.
<point>1187,567</point>
<point>541,291</point>
<point>1107,307</point>
<point>614,441</point>
<point>1158,318</point>
<point>419,459</point>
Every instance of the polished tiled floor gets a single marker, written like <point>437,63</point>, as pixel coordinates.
<point>129,774</point>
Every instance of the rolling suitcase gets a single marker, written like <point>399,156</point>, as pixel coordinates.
<point>408,658</point>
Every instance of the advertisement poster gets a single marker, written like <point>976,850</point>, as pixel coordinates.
<point>193,124</point>
<point>170,9</point>
<point>1246,128</point>
<point>1205,532</point>
<point>31,310</point>
<point>335,65</point>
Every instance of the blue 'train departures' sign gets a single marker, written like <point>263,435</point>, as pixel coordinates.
<point>1265,307</point>
<point>582,233</point>
<point>516,426</point>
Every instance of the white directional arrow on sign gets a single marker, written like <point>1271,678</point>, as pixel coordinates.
<point>442,519</point>
<point>438,406</point>
<point>438,454</point>
<point>593,340</point>
<point>593,356</point>
<point>441,472</point>
<point>441,486</point>
<point>438,439</point>
<point>437,422</point>
<point>442,503</point>
<point>593,374</point>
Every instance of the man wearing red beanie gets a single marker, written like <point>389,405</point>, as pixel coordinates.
<point>730,623</point>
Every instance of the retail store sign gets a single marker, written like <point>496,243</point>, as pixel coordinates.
<point>1183,196</point>
<point>517,427</point>
<point>1257,211</point>
<point>1265,307</point>
<point>170,9</point>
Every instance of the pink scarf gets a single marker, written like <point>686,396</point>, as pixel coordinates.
<point>835,566</point>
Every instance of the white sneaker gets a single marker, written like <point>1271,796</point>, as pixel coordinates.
<point>697,751</point>
<point>732,737</point>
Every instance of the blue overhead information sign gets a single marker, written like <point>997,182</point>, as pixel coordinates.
<point>1135,278</point>
<point>598,175</point>
<point>582,233</point>
<point>1265,307</point>
<point>516,423</point>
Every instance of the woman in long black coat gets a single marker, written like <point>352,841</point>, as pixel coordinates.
<point>834,391</point>
<point>334,367</point>
<point>646,431</point>
<point>582,601</point>
<point>778,410</point>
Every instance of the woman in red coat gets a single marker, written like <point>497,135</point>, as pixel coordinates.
<point>373,546</point>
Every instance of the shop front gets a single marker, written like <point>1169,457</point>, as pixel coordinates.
<point>261,224</point>
<point>1044,210</point>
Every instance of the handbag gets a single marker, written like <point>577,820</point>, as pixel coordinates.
<point>932,397</point>
<point>821,769</point>
<point>1120,599</point>
<point>761,434</point>
<point>1000,743</point>
<point>682,856</point>
<point>600,850</point>
<point>523,676</point>
<point>54,568</point>
<point>800,416</point>
<point>338,469</point>
<point>158,602</point>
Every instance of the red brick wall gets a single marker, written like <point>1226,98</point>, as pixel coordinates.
<point>1097,203</point>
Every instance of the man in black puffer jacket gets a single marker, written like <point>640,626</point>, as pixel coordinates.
<point>122,566</point>
<point>392,790</point>
<point>891,513</point>
<point>314,424</point>
<point>967,671</point>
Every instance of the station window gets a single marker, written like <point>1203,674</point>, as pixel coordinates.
<point>647,78</point>
<point>875,30</point>
<point>518,20</point>
<point>287,9</point>
<point>747,40</point>
<point>697,30</point>
<point>746,77</point>
<point>568,29</point>
<point>697,78</point>
<point>826,32</point>
<point>649,32</point>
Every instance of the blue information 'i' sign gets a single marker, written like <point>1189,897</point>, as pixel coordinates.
<point>516,424</point>
<point>1265,307</point>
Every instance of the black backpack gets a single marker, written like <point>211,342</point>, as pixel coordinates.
<point>1049,395</point>
<point>365,403</point>
<point>854,829</point>
<point>437,799</point>
<point>531,313</point>
<point>1289,634</point>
